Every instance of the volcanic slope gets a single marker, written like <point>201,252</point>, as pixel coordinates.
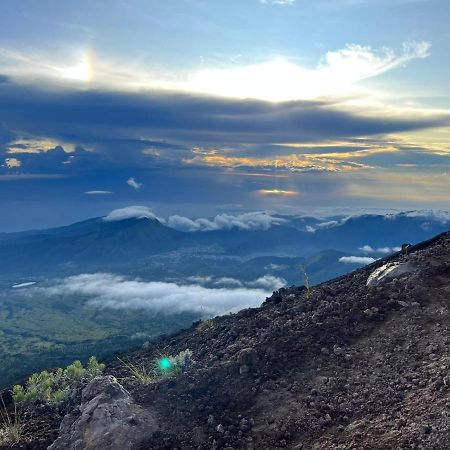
<point>360,362</point>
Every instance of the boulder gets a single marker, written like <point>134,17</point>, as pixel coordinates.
<point>107,419</point>
<point>388,272</point>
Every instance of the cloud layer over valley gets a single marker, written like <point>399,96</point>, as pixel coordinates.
<point>104,290</point>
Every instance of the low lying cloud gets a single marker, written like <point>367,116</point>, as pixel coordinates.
<point>266,282</point>
<point>130,212</point>
<point>106,290</point>
<point>245,221</point>
<point>383,250</point>
<point>134,184</point>
<point>357,260</point>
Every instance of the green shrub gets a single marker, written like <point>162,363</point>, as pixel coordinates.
<point>54,388</point>
<point>94,368</point>
<point>74,373</point>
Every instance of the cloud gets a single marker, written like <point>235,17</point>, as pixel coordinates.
<point>356,260</point>
<point>228,281</point>
<point>134,184</point>
<point>98,192</point>
<point>383,250</point>
<point>245,221</point>
<point>268,282</point>
<point>199,279</point>
<point>326,225</point>
<point>337,74</point>
<point>277,2</point>
<point>105,290</point>
<point>130,212</point>
<point>12,163</point>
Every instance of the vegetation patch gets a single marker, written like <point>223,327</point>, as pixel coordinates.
<point>161,367</point>
<point>55,387</point>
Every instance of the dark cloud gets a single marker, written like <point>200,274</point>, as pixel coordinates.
<point>99,116</point>
<point>149,136</point>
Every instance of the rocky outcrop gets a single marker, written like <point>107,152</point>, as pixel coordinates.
<point>107,419</point>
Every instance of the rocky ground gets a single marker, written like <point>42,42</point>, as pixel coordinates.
<point>360,362</point>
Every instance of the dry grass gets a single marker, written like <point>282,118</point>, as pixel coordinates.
<point>11,428</point>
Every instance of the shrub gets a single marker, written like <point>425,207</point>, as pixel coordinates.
<point>183,361</point>
<point>162,367</point>
<point>54,388</point>
<point>94,368</point>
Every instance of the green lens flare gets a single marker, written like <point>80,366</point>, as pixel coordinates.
<point>164,364</point>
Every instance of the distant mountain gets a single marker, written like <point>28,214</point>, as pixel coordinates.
<point>135,245</point>
<point>86,244</point>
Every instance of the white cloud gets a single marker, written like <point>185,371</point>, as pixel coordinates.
<point>277,2</point>
<point>330,224</point>
<point>275,267</point>
<point>268,282</point>
<point>356,260</point>
<point>199,279</point>
<point>383,250</point>
<point>23,285</point>
<point>336,74</point>
<point>134,184</point>
<point>98,192</point>
<point>279,79</point>
<point>131,212</point>
<point>112,291</point>
<point>245,221</point>
<point>12,163</point>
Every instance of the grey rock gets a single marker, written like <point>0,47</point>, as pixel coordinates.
<point>107,419</point>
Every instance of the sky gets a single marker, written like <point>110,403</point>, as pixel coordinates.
<point>198,107</point>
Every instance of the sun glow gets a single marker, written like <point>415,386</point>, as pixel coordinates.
<point>277,192</point>
<point>82,71</point>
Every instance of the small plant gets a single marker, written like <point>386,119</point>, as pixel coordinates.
<point>205,324</point>
<point>12,428</point>
<point>162,367</point>
<point>140,373</point>
<point>94,368</point>
<point>183,361</point>
<point>55,387</point>
<point>309,291</point>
